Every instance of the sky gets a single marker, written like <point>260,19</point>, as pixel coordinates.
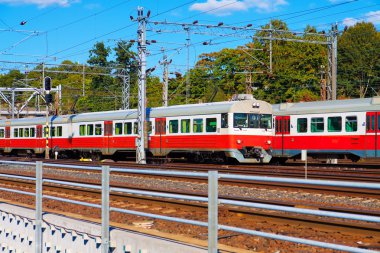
<point>51,31</point>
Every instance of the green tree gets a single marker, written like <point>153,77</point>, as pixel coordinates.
<point>358,60</point>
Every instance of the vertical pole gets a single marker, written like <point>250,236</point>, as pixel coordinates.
<point>334,57</point>
<point>212,212</point>
<point>13,103</point>
<point>141,109</point>
<point>270,48</point>
<point>166,81</point>
<point>105,208</point>
<point>188,64</point>
<point>38,232</point>
<point>83,81</point>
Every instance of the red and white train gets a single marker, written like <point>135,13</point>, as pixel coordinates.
<point>245,129</point>
<point>239,130</point>
<point>328,129</point>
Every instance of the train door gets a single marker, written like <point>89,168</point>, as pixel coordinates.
<point>107,136</point>
<point>160,131</point>
<point>282,131</point>
<point>7,138</point>
<point>372,134</point>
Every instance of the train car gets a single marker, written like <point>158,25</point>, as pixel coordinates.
<point>240,130</point>
<point>328,129</point>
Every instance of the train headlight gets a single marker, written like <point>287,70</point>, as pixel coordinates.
<point>238,141</point>
<point>269,142</point>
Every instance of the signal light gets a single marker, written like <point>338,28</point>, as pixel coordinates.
<point>49,98</point>
<point>47,83</point>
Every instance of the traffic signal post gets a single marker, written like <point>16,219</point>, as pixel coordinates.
<point>49,100</point>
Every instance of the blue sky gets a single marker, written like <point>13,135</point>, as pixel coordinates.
<point>57,30</point>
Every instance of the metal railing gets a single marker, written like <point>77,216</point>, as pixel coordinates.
<point>212,200</point>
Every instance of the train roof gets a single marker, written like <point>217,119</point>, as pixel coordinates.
<point>157,112</point>
<point>331,106</point>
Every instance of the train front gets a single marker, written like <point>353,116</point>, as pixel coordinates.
<point>250,130</point>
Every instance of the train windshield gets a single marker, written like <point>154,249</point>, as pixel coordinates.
<point>252,120</point>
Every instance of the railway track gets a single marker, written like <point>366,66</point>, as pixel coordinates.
<point>268,220</point>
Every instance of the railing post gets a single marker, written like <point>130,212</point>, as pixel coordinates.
<point>38,232</point>
<point>105,208</point>
<point>212,212</point>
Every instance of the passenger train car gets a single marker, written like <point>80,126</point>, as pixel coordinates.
<point>240,130</point>
<point>328,129</point>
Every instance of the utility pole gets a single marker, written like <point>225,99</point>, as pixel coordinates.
<point>126,89</point>
<point>270,48</point>
<point>187,29</point>
<point>141,108</point>
<point>332,62</point>
<point>165,87</point>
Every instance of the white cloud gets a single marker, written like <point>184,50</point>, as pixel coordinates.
<point>372,16</point>
<point>350,21</point>
<point>39,3</point>
<point>227,7</point>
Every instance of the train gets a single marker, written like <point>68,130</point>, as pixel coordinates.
<point>243,130</point>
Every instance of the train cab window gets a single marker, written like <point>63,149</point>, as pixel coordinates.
<point>211,125</point>
<point>198,125</point>
<point>135,128</point>
<point>118,128</point>
<point>224,120</point>
<point>185,125</point>
<point>302,125</point>
<point>98,129</point>
<point>58,131</point>
<point>82,130</point>
<point>240,120</point>
<point>254,121</point>
<point>20,132</point>
<point>90,129</point>
<point>266,121</point>
<point>173,126</point>
<point>317,125</point>
<point>334,124</point>
<point>128,128</point>
<point>351,124</point>
<point>2,133</point>
<point>370,124</point>
<point>32,132</point>
<point>26,132</point>
<point>15,132</point>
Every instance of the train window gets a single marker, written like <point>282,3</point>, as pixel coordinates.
<point>98,129</point>
<point>254,121</point>
<point>317,125</point>
<point>52,131</point>
<point>240,120</point>
<point>173,126</point>
<point>266,121</point>
<point>26,132</point>
<point>224,119</point>
<point>334,124</point>
<point>90,129</point>
<point>82,130</point>
<point>15,132</point>
<point>32,132</point>
<point>128,128</point>
<point>118,128</point>
<point>351,124</point>
<point>20,132</point>
<point>2,133</point>
<point>302,125</point>
<point>198,125</point>
<point>135,128</point>
<point>58,131</point>
<point>211,125</point>
<point>185,126</point>
<point>149,126</point>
